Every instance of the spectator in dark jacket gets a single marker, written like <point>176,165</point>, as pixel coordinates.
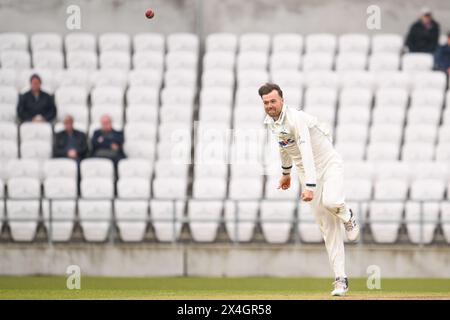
<point>107,142</point>
<point>70,143</point>
<point>442,57</point>
<point>35,104</point>
<point>423,36</point>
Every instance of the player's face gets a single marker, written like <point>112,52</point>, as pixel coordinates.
<point>273,103</point>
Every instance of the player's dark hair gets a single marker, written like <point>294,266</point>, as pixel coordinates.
<point>35,76</point>
<point>268,88</point>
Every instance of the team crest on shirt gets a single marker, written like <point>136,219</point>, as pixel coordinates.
<point>286,142</point>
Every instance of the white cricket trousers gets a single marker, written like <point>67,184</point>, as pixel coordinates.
<point>330,211</point>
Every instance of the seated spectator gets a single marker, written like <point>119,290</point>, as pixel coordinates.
<point>423,36</point>
<point>107,142</point>
<point>70,143</point>
<point>35,104</point>
<point>442,57</point>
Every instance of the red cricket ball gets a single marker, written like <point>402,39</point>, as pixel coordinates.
<point>149,13</point>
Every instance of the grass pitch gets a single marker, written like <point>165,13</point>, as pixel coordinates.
<point>44,287</point>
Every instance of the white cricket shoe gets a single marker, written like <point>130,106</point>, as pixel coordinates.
<point>340,287</point>
<point>351,228</point>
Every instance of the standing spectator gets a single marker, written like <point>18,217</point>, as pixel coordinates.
<point>107,142</point>
<point>70,143</point>
<point>35,104</point>
<point>423,36</point>
<point>442,57</point>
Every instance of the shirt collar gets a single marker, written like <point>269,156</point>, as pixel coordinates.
<point>269,119</point>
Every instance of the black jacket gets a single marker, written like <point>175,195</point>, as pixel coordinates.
<point>61,140</point>
<point>420,39</point>
<point>29,106</point>
<point>101,140</point>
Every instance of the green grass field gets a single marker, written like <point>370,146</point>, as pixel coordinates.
<point>215,288</point>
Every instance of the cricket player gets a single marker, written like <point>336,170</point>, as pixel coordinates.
<point>307,144</point>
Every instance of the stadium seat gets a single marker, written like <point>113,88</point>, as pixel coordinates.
<point>8,150</point>
<point>8,131</point>
<point>169,188</point>
<point>421,221</point>
<point>221,42</point>
<point>245,188</point>
<point>276,220</point>
<point>320,43</point>
<point>216,96</point>
<point>392,170</point>
<point>420,132</point>
<point>15,59</point>
<point>251,79</point>
<point>60,167</point>
<point>219,60</point>
<point>417,151</point>
<point>95,218</point>
<point>429,80</point>
<point>36,149</point>
<point>287,42</point>
<point>80,41</point>
<point>308,228</point>
<point>288,78</point>
<point>324,113</point>
<point>182,42</point>
<point>258,42</point>
<point>385,218</point>
<point>387,115</point>
<point>107,96</point>
<point>390,43</point>
<point>145,78</point>
<point>356,98</point>
<point>285,60</point>
<point>177,96</point>
<point>215,114</point>
<point>167,219</point>
<point>114,41</point>
<point>52,60</point>
<point>87,60</point>
<point>240,219</point>
<point>13,41</point>
<point>353,114</point>
<point>394,98</point>
<point>427,98</point>
<point>442,152</point>
<point>210,171</point>
<point>134,168</point>
<point>386,133</point>
<point>148,41</point>
<point>136,114</point>
<point>357,79</point>
<point>251,60</point>
<point>22,168</point>
<point>71,96</point>
<point>180,77</point>
<point>181,60</point>
<point>351,62</point>
<point>393,79</point>
<point>35,131</point>
<point>172,113</point>
<point>8,78</point>
<point>96,168</point>
<point>414,62</point>
<point>218,78</point>
<point>359,169</point>
<point>110,77</point>
<point>74,78</point>
<point>209,188</point>
<point>354,42</point>
<point>60,194</point>
<point>351,133</point>
<point>320,96</point>
<point>204,217</point>
<point>137,188</point>
<point>319,61</point>
<point>23,206</point>
<point>391,189</point>
<point>379,62</point>
<point>131,219</point>
<point>428,170</point>
<point>351,151</point>
<point>382,151</point>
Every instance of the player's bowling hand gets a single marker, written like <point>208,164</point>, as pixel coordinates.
<point>307,195</point>
<point>285,182</point>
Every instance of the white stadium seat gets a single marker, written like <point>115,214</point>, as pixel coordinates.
<point>417,151</point>
<point>82,60</point>
<point>169,188</point>
<point>23,206</point>
<point>13,41</point>
<point>385,220</point>
<point>109,78</point>
<point>388,115</point>
<point>133,188</point>
<point>97,188</point>
<point>320,43</point>
<point>357,79</point>
<point>285,60</point>
<point>107,96</point>
<point>386,133</point>
<point>35,131</point>
<point>115,60</point>
<point>80,41</point>
<point>415,132</point>
<point>353,114</point>
<point>8,131</point>
<point>392,97</point>
<point>217,78</point>
<point>204,219</point>
<point>276,220</point>
<point>251,60</point>
<point>211,171</point>
<point>245,188</point>
<point>133,168</point>
<point>317,61</point>
<point>181,60</point>
<point>152,60</point>
<point>145,78</point>
<point>351,151</point>
<point>413,62</point>
<point>287,78</point>
<point>222,42</point>
<point>209,188</point>
<point>23,168</point>
<point>351,133</point>
<point>391,43</point>
<point>379,62</point>
<point>63,215</point>
<point>212,97</point>
<point>166,219</point>
<point>148,41</point>
<point>8,77</point>
<point>96,168</point>
<point>393,79</point>
<point>429,80</point>
<point>391,189</point>
<point>15,59</point>
<point>445,219</point>
<point>8,150</point>
<point>287,42</point>
<point>240,219</point>
<point>95,217</point>
<point>382,151</point>
<point>36,149</point>
<point>131,219</point>
<point>112,41</point>
<point>354,42</point>
<point>219,60</point>
<point>254,42</point>
<point>183,42</point>
<point>442,152</point>
<point>48,60</point>
<point>60,167</point>
<point>429,98</point>
<point>71,96</point>
<point>357,97</point>
<point>421,221</point>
